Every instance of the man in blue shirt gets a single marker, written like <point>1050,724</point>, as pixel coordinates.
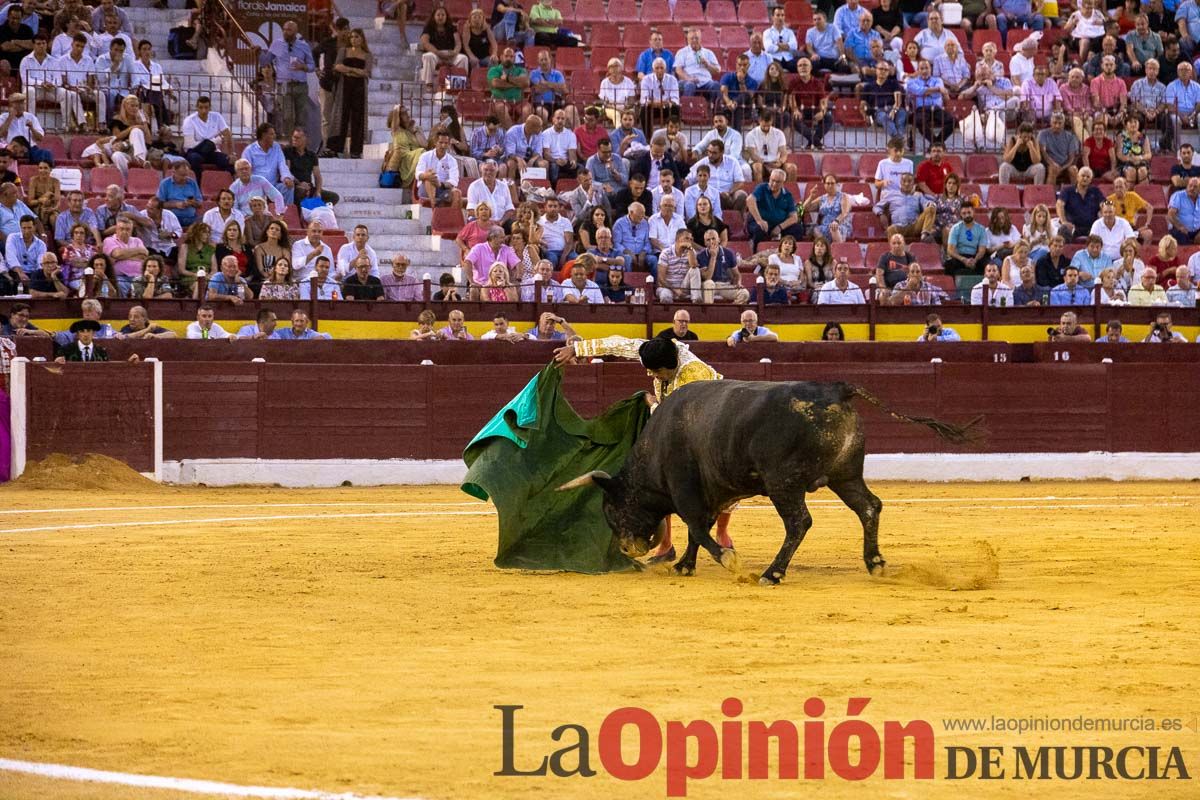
<point>1183,213</point>
<point>523,146</point>
<point>631,238</point>
<point>267,159</point>
<point>1078,206</point>
<point>181,194</point>
<point>1182,98</point>
<point>846,18</point>
<point>928,95</point>
<point>771,211</point>
<point>824,44</point>
<point>293,60</point>
<point>1069,292</point>
<point>547,87</point>
<point>12,210</point>
<point>858,43</point>
<point>966,245</point>
<point>1090,261</point>
<point>645,62</point>
<point>299,329</point>
<point>935,331</point>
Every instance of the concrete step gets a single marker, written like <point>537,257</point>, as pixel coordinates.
<point>348,166</point>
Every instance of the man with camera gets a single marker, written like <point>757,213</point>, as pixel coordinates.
<point>1068,330</point>
<point>1161,331</point>
<point>750,331</point>
<point>935,331</point>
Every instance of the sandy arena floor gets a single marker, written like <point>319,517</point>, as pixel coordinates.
<point>356,640</point>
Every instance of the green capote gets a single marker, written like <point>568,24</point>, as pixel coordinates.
<point>535,444</point>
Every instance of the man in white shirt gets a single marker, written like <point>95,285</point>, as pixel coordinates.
<point>766,148</point>
<point>702,188</point>
<point>114,74</point>
<point>103,36</point>
<point>697,68</point>
<point>579,289</point>
<point>558,235</point>
<point>664,225</point>
<point>889,170</point>
<point>437,174</point>
<point>39,76</point>
<point>205,133</point>
<point>840,291</point>
<point>560,149</point>
<point>488,188</point>
<point>327,287</point>
<point>549,287</point>
<point>1020,66</point>
<point>306,251</point>
<point>659,96</point>
<point>76,72</point>
<point>729,137</point>
<point>1112,230</point>
<point>61,45</point>
<point>217,218</point>
<point>19,122</point>
<point>150,83</point>
<point>666,188</point>
<point>780,41</point>
<point>351,250</point>
<point>204,327</point>
<point>999,293</point>
<point>164,236</point>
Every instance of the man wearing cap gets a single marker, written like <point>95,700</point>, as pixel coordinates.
<point>671,364</point>
<point>84,347</point>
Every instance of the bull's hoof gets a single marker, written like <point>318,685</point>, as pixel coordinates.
<point>875,564</point>
<point>771,577</point>
<point>686,570</point>
<point>730,560</point>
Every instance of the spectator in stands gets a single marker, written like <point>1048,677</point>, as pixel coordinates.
<point>114,78</point>
<point>697,67</point>
<point>1090,260</point>
<point>127,253</point>
<point>1183,293</point>
<point>999,293</point>
<point>631,237</point>
<point>679,278</point>
<point>833,333</point>
<point>18,324</point>
<point>1129,206</point>
<point>456,329</point>
<point>1128,270</point>
<point>25,154</point>
<point>327,287</point>
<point>823,43</point>
<point>1112,230</point>
<point>233,243</point>
<point>560,150</point>
<point>1099,152</point>
<point>1184,169</point>
<point>1017,14</point>
<point>966,245</point>
<point>627,139</point>
<point>813,119</point>
<point>1142,45</point>
<point>737,93</point>
<point>425,330</point>
<point>679,331</point>
<point>608,171</point>
<point>1182,99</point>
<point>772,211</point>
<point>774,291</point>
<point>718,272</point>
<point>165,232</point>
<point>501,332</point>
<point>793,272</point>
<point>398,285</point>
<point>858,42</point>
<point>766,149</point>
<point>1069,292</point>
<point>1040,96</point>
<point>1147,292</point>
<point>590,134</point>
<point>936,331</point>
<point>306,170</point>
<point>606,254</point>
<point>1167,259</point>
<point>543,280</point>
<point>481,257</point>
<point>1028,292</point>
<point>1052,267</point>
<point>195,254</point>
<point>437,174</point>
<point>1133,151</point>
<point>349,253</point>
<point>645,61</point>
<point>495,192</point>
<point>76,253</point>
<point>207,138</point>
<point>1002,235</point>
<point>16,38</point>
<point>1183,213</point>
<point>255,228</point>
<point>325,55</point>
<point>666,188</point>
<point>1079,205</point>
<point>292,59</point>
<point>280,282</point>
<point>951,68</point>
<point>780,41</point>
<point>557,234</point>
<point>1086,27</point>
<point>405,148</point>
<point>507,81</point>
<point>908,213</point>
<point>701,188</point>
<point>932,39</point>
<point>306,251</point>
<point>181,194</point>
<point>227,285</point>
<point>91,310</point>
<point>108,8</point>
<point>1113,333</point>
<point>1147,102</point>
<point>12,210</point>
<point>751,331</point>
<point>840,291</point>
<point>1038,231</point>
<point>48,281</point>
<point>892,266</point>
<point>140,326</point>
<point>833,210</point>
<point>881,102</point>
<point>246,185</point>
<point>23,251</point>
<point>262,328</point>
<point>618,94</point>
<point>579,289</point>
<point>130,131</point>
<point>43,194</point>
<point>360,284</point>
<point>1021,66</point>
<point>523,146</point>
<point>659,93</point>
<point>150,84</point>
<point>548,92</point>
<point>1022,158</point>
<point>913,290</point>
<point>204,327</point>
<point>475,231</point>
<point>928,96</point>
<point>217,218</point>
<point>1060,150</point>
<point>1011,265</point>
<point>1069,329</point>
<point>17,122</point>
<point>1110,293</point>
<point>299,329</point>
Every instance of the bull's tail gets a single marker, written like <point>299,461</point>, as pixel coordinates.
<point>956,434</point>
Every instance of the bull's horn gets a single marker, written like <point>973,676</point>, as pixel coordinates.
<point>584,480</point>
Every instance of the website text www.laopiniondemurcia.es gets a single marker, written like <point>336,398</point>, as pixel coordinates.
<point>851,749</point>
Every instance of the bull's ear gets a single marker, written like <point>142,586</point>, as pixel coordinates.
<point>597,477</point>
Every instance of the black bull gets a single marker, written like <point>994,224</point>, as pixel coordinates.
<point>712,443</point>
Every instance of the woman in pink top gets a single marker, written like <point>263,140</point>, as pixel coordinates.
<point>499,289</point>
<point>479,261</point>
<point>474,232</point>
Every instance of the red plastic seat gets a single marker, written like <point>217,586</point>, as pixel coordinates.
<point>609,36</point>
<point>143,182</point>
<point>568,59</point>
<point>858,187</point>
<point>734,37</point>
<point>866,226</point>
<point>1153,193</point>
<point>78,144</point>
<point>688,12</point>
<point>982,167</point>
<point>1039,194</point>
<point>621,11</point>
<point>737,225</point>
<point>754,14</point>
<point>806,166</point>
<point>54,143</point>
<point>1160,168</point>
<point>674,36</point>
<point>589,11</point>
<point>849,251</point>
<point>447,221</point>
<point>867,163</point>
<point>636,36</point>
<point>926,254</point>
<point>847,112</point>
<point>212,182</point>
<point>602,55</point>
<point>837,164</point>
<point>981,36</point>
<point>1004,196</point>
<point>721,12</point>
<point>656,12</point>
<point>103,177</point>
<point>955,163</point>
<point>695,110</point>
